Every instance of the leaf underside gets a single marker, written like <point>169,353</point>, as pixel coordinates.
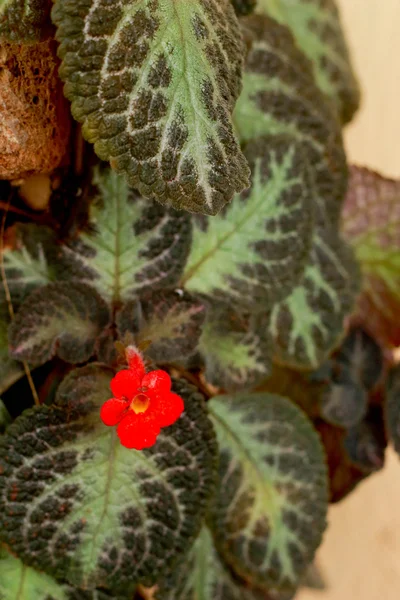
<point>154,84</point>
<point>24,20</point>
<point>269,511</point>
<point>253,253</point>
<point>317,30</point>
<point>76,503</point>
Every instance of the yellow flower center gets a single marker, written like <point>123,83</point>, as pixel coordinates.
<point>140,403</point>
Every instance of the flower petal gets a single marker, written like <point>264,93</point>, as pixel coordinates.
<point>137,431</point>
<point>135,361</point>
<point>169,409</point>
<point>158,382</point>
<point>112,411</point>
<point>125,384</point>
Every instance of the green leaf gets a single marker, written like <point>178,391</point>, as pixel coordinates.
<point>308,324</point>
<point>5,417</point>
<point>20,582</point>
<point>255,250</point>
<point>10,369</point>
<point>203,576</point>
<point>366,442</point>
<point>236,350</point>
<point>270,508</point>
<point>371,224</point>
<point>77,504</point>
<point>393,408</point>
<point>345,401</point>
<point>60,318</point>
<point>171,320</point>
<point>133,245</point>
<point>317,30</point>
<point>24,20</point>
<point>30,260</point>
<point>280,97</point>
<point>154,84</point>
<point>244,7</point>
<point>362,356</point>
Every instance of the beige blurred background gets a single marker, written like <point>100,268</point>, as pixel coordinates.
<point>360,557</point>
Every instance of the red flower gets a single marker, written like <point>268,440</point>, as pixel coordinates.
<point>142,404</point>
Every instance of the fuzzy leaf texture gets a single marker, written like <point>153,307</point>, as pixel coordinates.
<point>75,503</point>
<point>19,582</point>
<point>236,350</point>
<point>309,323</point>
<point>269,510</point>
<point>280,97</point>
<point>371,224</point>
<point>24,20</point>
<point>393,408</point>
<point>203,576</point>
<point>61,318</point>
<point>316,27</point>
<point>132,245</point>
<point>254,252</point>
<point>10,369</point>
<point>171,320</point>
<point>154,83</point>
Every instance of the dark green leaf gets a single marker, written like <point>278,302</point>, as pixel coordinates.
<point>365,443</point>
<point>269,511</point>
<point>236,350</point>
<point>279,96</point>
<point>76,503</point>
<point>362,356</point>
<point>170,320</point>
<point>393,408</point>
<point>24,20</point>
<point>308,324</point>
<point>255,250</point>
<point>10,369</point>
<point>345,401</point>
<point>244,7</point>
<point>316,27</point>
<point>5,417</point>
<point>133,245</point>
<point>60,318</point>
<point>154,84</point>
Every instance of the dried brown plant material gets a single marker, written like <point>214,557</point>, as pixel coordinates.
<point>36,191</point>
<point>34,116</point>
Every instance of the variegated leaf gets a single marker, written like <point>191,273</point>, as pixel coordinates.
<point>316,27</point>
<point>236,350</point>
<point>10,369</point>
<point>269,511</point>
<point>132,246</point>
<point>345,402</point>
<point>308,324</point>
<point>171,320</point>
<point>60,318</point>
<point>154,83</point>
<point>24,20</point>
<point>80,506</point>
<point>279,96</point>
<point>254,252</point>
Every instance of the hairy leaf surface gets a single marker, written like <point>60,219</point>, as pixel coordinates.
<point>154,83</point>
<point>371,224</point>
<point>171,320</point>
<point>269,511</point>
<point>316,27</point>
<point>10,369</point>
<point>236,350</point>
<point>279,96</point>
<point>24,20</point>
<point>77,504</point>
<point>60,318</point>
<point>255,250</point>
<point>133,245</point>
<point>308,324</point>
<point>393,408</point>
<point>345,401</point>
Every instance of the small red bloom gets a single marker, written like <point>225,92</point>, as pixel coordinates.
<point>143,403</point>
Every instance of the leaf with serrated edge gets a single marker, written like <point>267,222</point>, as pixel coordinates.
<point>171,320</point>
<point>269,511</point>
<point>76,503</point>
<point>154,83</point>
<point>236,350</point>
<point>371,224</point>
<point>317,30</point>
<point>60,318</point>
<point>308,324</point>
<point>255,251</point>
<point>20,582</point>
<point>24,20</point>
<point>279,96</point>
<point>204,576</point>
<point>393,408</point>
<point>133,245</point>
